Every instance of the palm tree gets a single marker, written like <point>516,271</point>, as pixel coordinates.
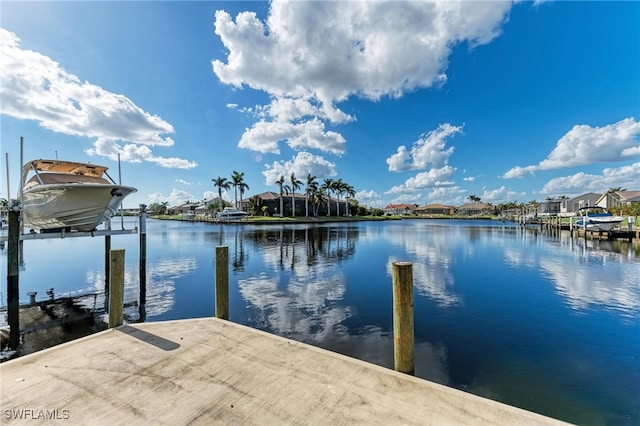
<point>239,183</point>
<point>312,186</point>
<point>318,198</point>
<point>295,184</point>
<point>255,205</point>
<point>236,178</point>
<point>338,188</point>
<point>474,198</point>
<point>328,185</point>
<point>221,183</point>
<point>284,189</point>
<point>350,192</point>
<point>616,189</point>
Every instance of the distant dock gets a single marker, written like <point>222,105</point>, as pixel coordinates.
<point>211,371</point>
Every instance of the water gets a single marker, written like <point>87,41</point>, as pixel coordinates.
<point>543,322</point>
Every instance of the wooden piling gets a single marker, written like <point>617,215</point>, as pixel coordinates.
<point>107,254</point>
<point>403,335</point>
<point>143,254</point>
<point>116,288</point>
<point>13,292</point>
<point>222,282</point>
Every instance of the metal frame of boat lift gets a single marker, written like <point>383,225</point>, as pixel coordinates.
<point>15,257</point>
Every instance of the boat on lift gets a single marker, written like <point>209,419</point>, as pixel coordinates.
<point>58,194</point>
<point>594,218</point>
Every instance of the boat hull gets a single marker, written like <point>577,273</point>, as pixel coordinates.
<point>80,207</point>
<point>598,224</point>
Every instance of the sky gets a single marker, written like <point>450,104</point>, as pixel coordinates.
<point>408,102</point>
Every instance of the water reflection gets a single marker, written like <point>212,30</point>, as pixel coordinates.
<point>302,299</point>
<point>161,285</point>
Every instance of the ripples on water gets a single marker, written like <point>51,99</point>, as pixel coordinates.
<point>542,321</point>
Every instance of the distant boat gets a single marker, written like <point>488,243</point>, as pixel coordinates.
<point>68,195</point>
<point>595,218</point>
<point>231,213</point>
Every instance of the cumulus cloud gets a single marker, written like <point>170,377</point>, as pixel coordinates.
<point>175,197</point>
<point>311,56</point>
<point>584,144</point>
<point>430,179</point>
<point>429,150</point>
<point>264,136</point>
<point>626,177</point>
<point>502,194</point>
<point>135,154</point>
<point>366,196</point>
<point>301,164</point>
<point>35,87</point>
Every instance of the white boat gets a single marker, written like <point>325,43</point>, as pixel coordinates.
<point>59,194</point>
<point>595,218</point>
<point>231,213</point>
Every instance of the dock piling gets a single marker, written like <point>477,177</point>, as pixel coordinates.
<point>13,292</point>
<point>143,254</point>
<point>403,334</point>
<point>222,282</point>
<point>116,288</point>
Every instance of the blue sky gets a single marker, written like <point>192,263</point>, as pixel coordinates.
<point>407,102</point>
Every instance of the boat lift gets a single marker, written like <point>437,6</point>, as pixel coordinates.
<point>15,237</point>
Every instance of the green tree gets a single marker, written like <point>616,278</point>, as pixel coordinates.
<point>255,205</point>
<point>284,189</point>
<point>328,186</point>
<point>295,184</point>
<point>221,183</point>
<point>311,187</point>
<point>474,198</point>
<point>350,192</point>
<point>239,184</point>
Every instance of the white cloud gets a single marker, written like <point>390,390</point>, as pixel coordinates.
<point>366,196</point>
<point>449,195</point>
<point>407,199</point>
<point>469,178</point>
<point>332,50</point>
<point>430,179</point>
<point>302,164</point>
<point>311,56</point>
<point>182,182</point>
<point>429,150</point>
<point>135,154</point>
<point>579,183</point>
<point>35,87</point>
<point>176,197</point>
<point>500,195</point>
<point>264,136</point>
<point>584,144</point>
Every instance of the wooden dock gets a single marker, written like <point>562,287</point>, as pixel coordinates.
<point>211,371</point>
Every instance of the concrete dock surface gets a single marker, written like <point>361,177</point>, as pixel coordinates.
<point>211,371</point>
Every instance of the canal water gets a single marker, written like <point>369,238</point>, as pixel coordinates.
<point>531,318</point>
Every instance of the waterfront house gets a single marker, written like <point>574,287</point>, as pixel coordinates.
<point>474,209</point>
<point>571,205</point>
<point>183,208</point>
<point>271,200</point>
<point>399,209</point>
<point>611,200</point>
<point>550,207</point>
<point>438,209</point>
<point>203,206</point>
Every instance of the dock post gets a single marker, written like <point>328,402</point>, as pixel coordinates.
<point>403,336</point>
<point>107,253</point>
<point>13,292</point>
<point>222,282</point>
<point>116,288</point>
<point>143,254</point>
